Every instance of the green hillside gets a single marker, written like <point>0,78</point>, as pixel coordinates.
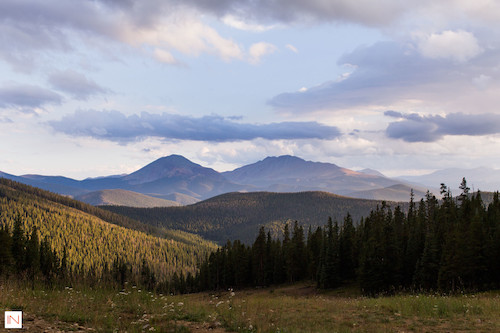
<point>119,197</point>
<point>239,215</point>
<point>91,241</point>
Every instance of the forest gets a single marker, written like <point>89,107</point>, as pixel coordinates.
<point>239,215</point>
<point>449,245</point>
<point>90,245</point>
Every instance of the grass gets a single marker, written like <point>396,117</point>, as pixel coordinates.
<point>297,308</point>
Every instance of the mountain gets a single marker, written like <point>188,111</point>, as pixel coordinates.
<point>175,173</point>
<point>482,178</point>
<point>94,237</point>
<point>372,172</point>
<point>176,178</point>
<point>239,215</point>
<point>293,174</point>
<point>398,192</point>
<point>61,185</point>
<point>173,176</point>
<point>118,197</point>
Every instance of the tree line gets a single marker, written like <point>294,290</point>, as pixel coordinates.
<point>446,245</point>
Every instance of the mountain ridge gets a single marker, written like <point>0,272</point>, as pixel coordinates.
<point>192,182</point>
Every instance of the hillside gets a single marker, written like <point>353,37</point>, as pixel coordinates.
<point>398,192</point>
<point>91,242</point>
<point>118,197</point>
<point>180,198</point>
<point>239,215</point>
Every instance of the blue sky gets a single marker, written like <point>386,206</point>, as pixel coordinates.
<point>91,88</point>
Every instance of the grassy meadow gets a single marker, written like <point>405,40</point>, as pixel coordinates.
<point>295,308</point>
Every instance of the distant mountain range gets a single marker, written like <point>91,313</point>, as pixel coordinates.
<point>175,178</point>
<point>483,178</point>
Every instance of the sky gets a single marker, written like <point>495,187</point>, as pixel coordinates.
<point>101,87</point>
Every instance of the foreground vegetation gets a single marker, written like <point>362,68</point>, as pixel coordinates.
<point>292,308</point>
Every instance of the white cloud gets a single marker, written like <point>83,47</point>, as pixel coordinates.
<point>240,24</point>
<point>258,50</point>
<point>459,46</point>
<point>165,57</point>
<point>183,32</point>
<point>292,48</point>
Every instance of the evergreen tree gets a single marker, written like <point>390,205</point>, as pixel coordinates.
<point>314,244</point>
<point>33,256</point>
<point>6,258</point>
<point>19,245</point>
<point>347,263</point>
<point>297,255</point>
<point>259,258</point>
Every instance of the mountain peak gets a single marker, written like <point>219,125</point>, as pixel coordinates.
<point>372,172</point>
<point>168,167</point>
<point>284,158</point>
<point>174,159</point>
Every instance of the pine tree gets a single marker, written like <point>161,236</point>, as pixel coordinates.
<point>347,264</point>
<point>6,258</point>
<point>19,245</point>
<point>259,258</point>
<point>33,256</point>
<point>298,256</point>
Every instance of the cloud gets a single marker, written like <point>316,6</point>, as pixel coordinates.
<point>27,96</point>
<point>6,120</point>
<point>237,23</point>
<point>258,50</point>
<point>381,73</point>
<point>459,46</point>
<point>160,27</point>
<point>417,128</point>
<point>31,27</point>
<point>165,57</point>
<point>388,73</point>
<point>292,48</point>
<point>115,126</point>
<point>285,11</point>
<point>75,84</point>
